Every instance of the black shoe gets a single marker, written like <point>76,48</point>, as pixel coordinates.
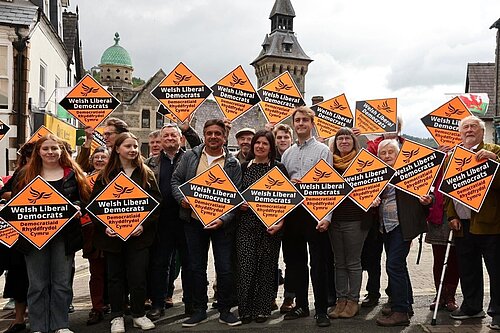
<point>261,319</point>
<point>296,313</point>
<point>94,317</point>
<point>246,319</point>
<point>15,328</point>
<point>322,320</point>
<point>155,314</point>
<point>369,301</point>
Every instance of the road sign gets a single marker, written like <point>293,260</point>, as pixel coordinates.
<point>89,102</point>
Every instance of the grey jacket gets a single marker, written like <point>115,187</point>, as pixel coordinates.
<point>187,169</point>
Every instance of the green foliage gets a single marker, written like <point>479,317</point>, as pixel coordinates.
<point>137,81</point>
<point>425,141</point>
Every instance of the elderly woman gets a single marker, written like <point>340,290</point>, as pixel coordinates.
<point>402,217</point>
<point>350,225</point>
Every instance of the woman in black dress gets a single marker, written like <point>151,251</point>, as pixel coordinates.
<point>257,246</point>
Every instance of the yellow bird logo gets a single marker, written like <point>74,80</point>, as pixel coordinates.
<point>213,179</point>
<point>282,86</point>
<point>363,164</point>
<point>37,195</point>
<point>321,174</point>
<point>452,110</point>
<point>181,78</point>
<point>120,190</point>
<point>336,105</point>
<point>461,162</point>
<point>385,106</point>
<point>88,90</point>
<point>273,182</point>
<point>237,80</point>
<point>410,154</point>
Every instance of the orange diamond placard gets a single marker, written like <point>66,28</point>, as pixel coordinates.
<point>234,94</point>
<point>38,212</point>
<point>442,123</point>
<point>323,189</point>
<point>331,115</point>
<point>416,167</point>
<point>211,194</point>
<point>89,102</point>
<point>181,92</point>
<point>272,197</point>
<point>122,206</point>
<point>466,179</point>
<point>377,116</point>
<point>91,179</point>
<point>3,129</point>
<point>8,235</point>
<point>279,97</point>
<point>98,139</point>
<point>41,131</point>
<point>368,175</point>
<point>167,114</point>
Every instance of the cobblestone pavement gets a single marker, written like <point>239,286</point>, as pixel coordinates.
<point>422,282</point>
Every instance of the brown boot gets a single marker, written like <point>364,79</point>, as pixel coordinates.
<point>351,309</point>
<point>395,319</point>
<point>341,304</point>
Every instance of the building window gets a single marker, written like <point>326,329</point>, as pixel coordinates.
<point>42,85</point>
<point>146,119</point>
<point>159,120</point>
<point>4,77</point>
<point>145,149</point>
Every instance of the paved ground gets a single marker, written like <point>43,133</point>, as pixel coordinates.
<point>421,276</point>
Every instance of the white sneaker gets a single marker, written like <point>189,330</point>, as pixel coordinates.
<point>118,325</point>
<point>143,323</point>
<point>64,330</point>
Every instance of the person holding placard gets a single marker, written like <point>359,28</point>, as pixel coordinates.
<point>477,234</point>
<point>49,269</point>
<point>257,247</point>
<point>127,261</point>
<point>402,218</point>
<point>220,232</point>
<point>350,226</point>
<point>301,230</point>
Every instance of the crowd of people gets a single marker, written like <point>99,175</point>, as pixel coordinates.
<point>136,277</point>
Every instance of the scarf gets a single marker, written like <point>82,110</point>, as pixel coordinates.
<point>341,163</point>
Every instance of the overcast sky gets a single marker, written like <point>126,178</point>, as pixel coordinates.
<point>416,51</point>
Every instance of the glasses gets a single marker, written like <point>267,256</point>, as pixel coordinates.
<point>108,133</point>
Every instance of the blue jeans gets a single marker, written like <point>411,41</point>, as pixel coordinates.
<point>198,241</point>
<point>50,289</point>
<point>397,249</point>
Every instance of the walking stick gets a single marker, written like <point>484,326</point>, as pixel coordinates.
<point>445,265</point>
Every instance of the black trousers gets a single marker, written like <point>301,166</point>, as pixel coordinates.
<point>127,267</point>
<point>299,233</point>
<point>471,249</point>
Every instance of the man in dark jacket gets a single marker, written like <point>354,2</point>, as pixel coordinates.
<point>478,234</point>
<point>170,234</point>
<point>198,237</point>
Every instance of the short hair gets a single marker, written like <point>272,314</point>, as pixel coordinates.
<point>305,110</point>
<point>283,127</point>
<point>120,125</point>
<point>171,125</point>
<point>154,134</point>
<point>473,118</point>
<point>388,142</point>
<point>217,122</point>
<point>345,131</point>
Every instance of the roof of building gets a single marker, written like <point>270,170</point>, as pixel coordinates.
<point>481,79</point>
<point>70,24</point>
<point>19,13</point>
<point>116,55</point>
<point>282,7</point>
<point>273,46</point>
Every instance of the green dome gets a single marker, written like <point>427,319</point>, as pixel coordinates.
<point>116,55</point>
